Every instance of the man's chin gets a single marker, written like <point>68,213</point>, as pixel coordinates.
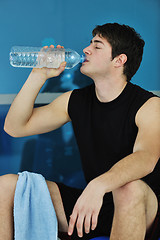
<point>83,71</point>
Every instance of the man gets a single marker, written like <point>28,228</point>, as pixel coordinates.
<point>117,128</point>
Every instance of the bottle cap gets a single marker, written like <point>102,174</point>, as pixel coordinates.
<point>83,58</point>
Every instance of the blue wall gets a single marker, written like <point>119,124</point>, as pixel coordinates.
<point>69,23</point>
<point>37,23</point>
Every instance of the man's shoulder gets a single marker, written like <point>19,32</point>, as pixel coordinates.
<point>152,104</point>
<point>139,89</point>
<point>141,95</point>
<point>149,112</point>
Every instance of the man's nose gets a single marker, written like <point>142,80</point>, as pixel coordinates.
<point>87,50</point>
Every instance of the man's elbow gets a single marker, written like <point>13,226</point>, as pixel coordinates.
<point>150,160</point>
<point>10,131</point>
<point>153,161</point>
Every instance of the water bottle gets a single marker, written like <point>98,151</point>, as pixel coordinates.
<point>37,57</point>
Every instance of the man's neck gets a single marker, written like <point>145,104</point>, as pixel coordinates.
<point>109,89</point>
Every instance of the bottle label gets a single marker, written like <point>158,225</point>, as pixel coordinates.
<point>50,58</point>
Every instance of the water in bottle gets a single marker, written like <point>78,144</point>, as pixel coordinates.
<point>37,57</point>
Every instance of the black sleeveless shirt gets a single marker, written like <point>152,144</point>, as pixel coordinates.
<point>106,132</point>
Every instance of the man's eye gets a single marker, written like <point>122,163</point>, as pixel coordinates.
<point>97,47</point>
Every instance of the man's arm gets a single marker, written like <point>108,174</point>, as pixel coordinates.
<point>24,120</point>
<point>140,163</point>
<point>146,151</point>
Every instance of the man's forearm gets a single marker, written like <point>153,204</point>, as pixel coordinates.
<point>22,106</point>
<point>133,167</point>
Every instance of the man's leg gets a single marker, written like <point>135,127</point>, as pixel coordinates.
<point>58,206</point>
<point>135,210</point>
<point>7,189</point>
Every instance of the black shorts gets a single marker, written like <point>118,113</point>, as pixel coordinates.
<point>69,197</point>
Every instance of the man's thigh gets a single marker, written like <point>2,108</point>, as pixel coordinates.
<point>151,206</point>
<point>58,206</point>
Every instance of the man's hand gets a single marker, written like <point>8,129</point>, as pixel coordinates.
<point>86,209</point>
<point>50,72</point>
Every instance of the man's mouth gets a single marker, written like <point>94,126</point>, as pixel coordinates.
<point>86,60</point>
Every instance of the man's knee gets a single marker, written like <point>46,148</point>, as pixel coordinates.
<point>130,194</point>
<point>8,185</point>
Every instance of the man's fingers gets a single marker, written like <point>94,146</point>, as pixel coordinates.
<point>62,66</point>
<point>52,46</point>
<point>59,46</point>
<point>80,221</point>
<point>72,222</point>
<point>79,225</point>
<point>58,71</point>
<point>87,223</point>
<point>94,220</point>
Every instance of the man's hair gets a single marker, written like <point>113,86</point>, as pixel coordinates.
<point>123,40</point>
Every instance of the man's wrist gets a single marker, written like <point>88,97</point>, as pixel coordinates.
<point>38,75</point>
<point>100,184</point>
<point>105,181</point>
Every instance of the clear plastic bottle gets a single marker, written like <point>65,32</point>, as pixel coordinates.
<point>38,57</point>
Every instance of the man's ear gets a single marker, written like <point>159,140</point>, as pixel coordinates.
<point>120,60</point>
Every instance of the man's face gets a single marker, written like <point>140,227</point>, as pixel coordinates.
<point>98,58</point>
